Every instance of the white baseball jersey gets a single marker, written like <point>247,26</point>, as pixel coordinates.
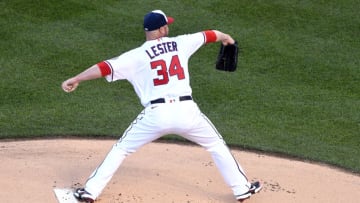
<point>158,68</point>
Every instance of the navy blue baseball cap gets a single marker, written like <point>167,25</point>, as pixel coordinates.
<point>156,19</point>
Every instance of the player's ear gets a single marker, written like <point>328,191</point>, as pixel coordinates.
<point>162,30</point>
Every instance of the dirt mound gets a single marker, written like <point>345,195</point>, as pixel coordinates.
<point>161,172</point>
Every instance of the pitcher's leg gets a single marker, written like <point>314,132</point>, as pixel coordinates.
<point>229,168</point>
<point>136,135</point>
<point>104,172</point>
<point>205,134</point>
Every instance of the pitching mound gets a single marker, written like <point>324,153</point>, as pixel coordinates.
<point>160,172</point>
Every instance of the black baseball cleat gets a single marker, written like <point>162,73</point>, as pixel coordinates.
<point>83,196</point>
<point>254,188</point>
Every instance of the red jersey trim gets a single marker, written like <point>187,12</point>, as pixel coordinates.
<point>104,68</point>
<point>210,36</point>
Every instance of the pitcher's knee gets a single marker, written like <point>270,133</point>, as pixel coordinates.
<point>122,150</point>
<point>216,146</point>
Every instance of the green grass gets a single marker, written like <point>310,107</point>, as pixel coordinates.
<point>296,92</point>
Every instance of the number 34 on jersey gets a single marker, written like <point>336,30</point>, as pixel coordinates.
<point>164,73</point>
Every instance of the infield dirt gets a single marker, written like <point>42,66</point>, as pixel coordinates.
<point>162,172</point>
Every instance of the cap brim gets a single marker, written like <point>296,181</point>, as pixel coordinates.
<point>170,20</point>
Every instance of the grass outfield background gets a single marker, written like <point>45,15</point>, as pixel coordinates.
<point>296,91</point>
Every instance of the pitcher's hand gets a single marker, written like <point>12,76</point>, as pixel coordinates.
<point>70,85</point>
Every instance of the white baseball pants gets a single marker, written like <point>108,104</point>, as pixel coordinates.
<point>182,118</point>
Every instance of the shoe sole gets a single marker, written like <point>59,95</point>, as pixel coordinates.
<point>244,198</point>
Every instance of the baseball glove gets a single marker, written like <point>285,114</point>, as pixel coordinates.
<point>227,57</point>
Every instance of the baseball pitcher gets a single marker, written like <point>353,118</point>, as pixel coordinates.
<point>158,71</point>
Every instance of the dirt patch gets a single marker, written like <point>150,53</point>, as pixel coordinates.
<point>162,172</point>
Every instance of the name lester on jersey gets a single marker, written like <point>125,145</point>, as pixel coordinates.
<point>161,48</point>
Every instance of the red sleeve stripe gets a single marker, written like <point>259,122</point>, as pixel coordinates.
<point>210,36</point>
<point>104,68</point>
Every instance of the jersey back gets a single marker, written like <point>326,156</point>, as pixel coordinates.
<point>158,68</point>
